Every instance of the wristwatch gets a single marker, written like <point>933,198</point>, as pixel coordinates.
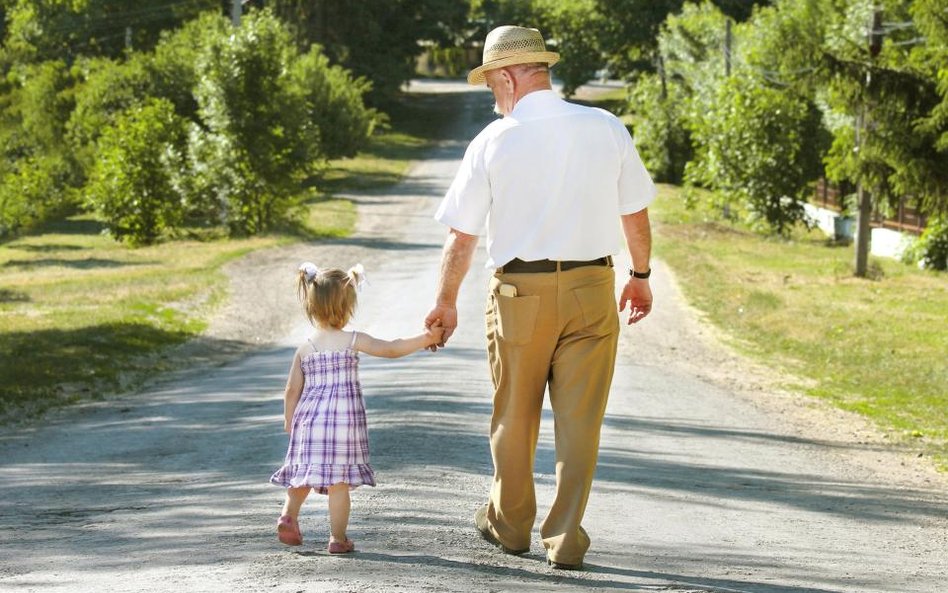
<point>640,275</point>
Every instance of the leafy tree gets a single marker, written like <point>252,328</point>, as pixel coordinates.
<point>691,66</point>
<point>333,101</point>
<point>256,143</point>
<point>661,136</point>
<point>755,144</point>
<point>39,30</point>
<point>375,39</point>
<point>574,29</point>
<point>37,172</point>
<point>132,184</point>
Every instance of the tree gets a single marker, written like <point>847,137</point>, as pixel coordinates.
<point>375,39</point>
<point>38,173</point>
<point>39,30</point>
<point>255,144</point>
<point>333,100</point>
<point>756,145</point>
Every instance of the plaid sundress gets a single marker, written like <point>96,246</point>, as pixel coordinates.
<point>329,440</point>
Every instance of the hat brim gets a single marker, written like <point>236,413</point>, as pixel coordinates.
<point>476,76</point>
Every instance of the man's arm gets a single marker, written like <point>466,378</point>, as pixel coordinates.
<point>637,292</point>
<point>455,262</point>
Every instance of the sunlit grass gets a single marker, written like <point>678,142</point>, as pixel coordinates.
<point>876,347</point>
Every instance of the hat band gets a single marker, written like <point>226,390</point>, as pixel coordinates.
<point>509,48</point>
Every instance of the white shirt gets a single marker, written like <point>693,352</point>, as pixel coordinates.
<point>549,181</point>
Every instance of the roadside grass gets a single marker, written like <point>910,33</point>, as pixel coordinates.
<point>82,316</point>
<point>876,347</point>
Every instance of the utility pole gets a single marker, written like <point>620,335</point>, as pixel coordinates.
<point>863,232</point>
<point>727,47</point>
<point>235,11</point>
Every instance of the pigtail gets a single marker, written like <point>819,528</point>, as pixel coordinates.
<point>357,277</point>
<point>307,279</point>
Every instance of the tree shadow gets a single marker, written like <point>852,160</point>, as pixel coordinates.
<point>88,263</point>
<point>13,296</point>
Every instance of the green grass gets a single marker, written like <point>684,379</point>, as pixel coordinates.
<point>82,316</point>
<point>876,347</point>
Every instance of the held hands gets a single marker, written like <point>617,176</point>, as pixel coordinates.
<point>445,318</point>
<point>638,294</point>
<point>434,334</point>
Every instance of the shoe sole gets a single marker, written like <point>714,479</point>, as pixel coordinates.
<point>564,566</point>
<point>489,537</point>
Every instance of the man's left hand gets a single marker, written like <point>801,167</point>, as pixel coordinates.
<point>638,295</point>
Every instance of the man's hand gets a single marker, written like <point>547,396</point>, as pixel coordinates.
<point>638,294</point>
<point>447,315</point>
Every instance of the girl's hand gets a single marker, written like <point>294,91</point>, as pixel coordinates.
<point>435,334</point>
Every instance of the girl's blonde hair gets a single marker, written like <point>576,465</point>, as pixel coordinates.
<point>328,296</point>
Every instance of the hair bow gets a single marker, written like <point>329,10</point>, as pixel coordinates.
<point>309,270</point>
<point>357,277</point>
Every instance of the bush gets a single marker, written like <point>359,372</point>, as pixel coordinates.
<point>761,145</point>
<point>256,143</point>
<point>132,183</point>
<point>931,249</point>
<point>661,137</point>
<point>334,103</point>
<point>38,173</point>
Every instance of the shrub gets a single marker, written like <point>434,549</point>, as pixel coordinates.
<point>256,143</point>
<point>761,145</point>
<point>661,137</point>
<point>931,249</point>
<point>333,99</point>
<point>132,181</point>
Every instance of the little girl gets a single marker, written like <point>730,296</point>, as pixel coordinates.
<point>323,408</point>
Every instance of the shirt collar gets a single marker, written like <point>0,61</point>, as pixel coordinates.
<point>534,104</point>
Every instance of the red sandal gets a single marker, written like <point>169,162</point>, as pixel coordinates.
<point>288,530</point>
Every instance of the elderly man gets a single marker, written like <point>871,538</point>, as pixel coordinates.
<point>553,182</point>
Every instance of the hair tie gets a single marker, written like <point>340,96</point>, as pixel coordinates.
<point>309,270</point>
<point>357,277</point>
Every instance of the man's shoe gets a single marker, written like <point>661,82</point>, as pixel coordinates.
<point>564,565</point>
<point>480,522</point>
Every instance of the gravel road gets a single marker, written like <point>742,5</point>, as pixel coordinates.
<point>711,478</point>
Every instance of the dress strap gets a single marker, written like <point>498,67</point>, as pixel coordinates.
<point>352,344</point>
<point>310,340</point>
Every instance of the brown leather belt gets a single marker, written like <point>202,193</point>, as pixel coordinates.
<point>518,266</point>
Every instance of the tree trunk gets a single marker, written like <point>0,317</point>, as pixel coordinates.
<point>863,233</point>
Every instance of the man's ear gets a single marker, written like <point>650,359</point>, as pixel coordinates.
<point>509,80</point>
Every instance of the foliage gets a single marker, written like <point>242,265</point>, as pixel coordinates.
<point>375,39</point>
<point>663,141</point>
<point>820,49</point>
<point>574,28</point>
<point>256,144</point>
<point>755,144</point>
<point>37,172</point>
<point>39,30</point>
<point>132,182</point>
<point>334,103</point>
<point>931,249</point>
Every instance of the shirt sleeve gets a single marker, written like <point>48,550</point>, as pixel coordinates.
<point>467,203</point>
<point>636,190</point>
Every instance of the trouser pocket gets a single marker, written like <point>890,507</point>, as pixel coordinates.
<point>515,317</point>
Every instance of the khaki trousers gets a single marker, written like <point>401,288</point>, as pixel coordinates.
<point>561,330</point>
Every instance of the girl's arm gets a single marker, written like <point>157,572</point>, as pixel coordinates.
<point>294,388</point>
<point>398,347</point>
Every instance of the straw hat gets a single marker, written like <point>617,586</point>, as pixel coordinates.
<point>509,45</point>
